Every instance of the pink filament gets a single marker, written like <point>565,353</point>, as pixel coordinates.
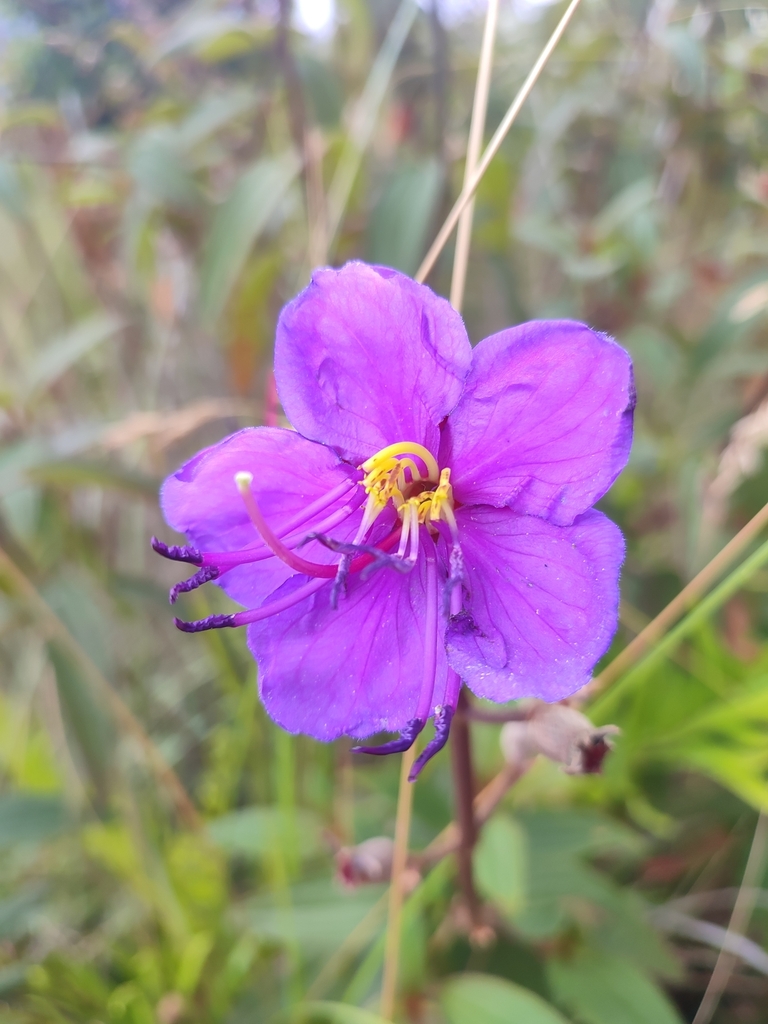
<point>430,635</point>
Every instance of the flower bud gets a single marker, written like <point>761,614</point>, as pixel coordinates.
<point>560,733</point>
<point>368,862</point>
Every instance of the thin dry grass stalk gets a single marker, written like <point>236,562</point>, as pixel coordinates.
<point>474,144</point>
<point>494,145</point>
<point>162,429</point>
<point>399,862</point>
<point>677,607</point>
<point>740,459</point>
<point>742,912</point>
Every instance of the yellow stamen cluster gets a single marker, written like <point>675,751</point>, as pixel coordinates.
<point>395,474</point>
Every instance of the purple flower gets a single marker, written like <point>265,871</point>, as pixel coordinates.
<point>429,522</point>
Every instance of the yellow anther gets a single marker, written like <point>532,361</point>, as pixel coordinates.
<point>442,496</point>
<point>404,448</point>
<point>397,470</point>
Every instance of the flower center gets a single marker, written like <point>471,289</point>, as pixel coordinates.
<point>407,474</point>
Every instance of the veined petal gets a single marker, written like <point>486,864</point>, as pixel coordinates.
<point>289,474</point>
<point>543,602</point>
<point>354,671</point>
<point>365,358</point>
<point>545,421</point>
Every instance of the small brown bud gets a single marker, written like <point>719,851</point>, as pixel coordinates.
<point>560,733</point>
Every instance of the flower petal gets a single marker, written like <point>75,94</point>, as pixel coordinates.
<point>289,474</point>
<point>545,422</point>
<point>365,357</point>
<point>543,602</point>
<point>355,671</point>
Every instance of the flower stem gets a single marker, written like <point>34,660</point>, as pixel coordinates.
<point>464,794</point>
<point>399,861</point>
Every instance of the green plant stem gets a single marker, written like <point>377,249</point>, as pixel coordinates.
<point>605,705</point>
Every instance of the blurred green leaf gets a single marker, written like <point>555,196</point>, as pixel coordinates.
<point>61,353</point>
<point>320,915</point>
<point>332,1013</point>
<point>254,831</point>
<point>30,819</point>
<point>158,166</point>
<point>236,226</point>
<point>484,999</point>
<point>501,863</point>
<point>598,988</point>
<point>727,741</point>
<point>86,720</point>
<point>403,214</point>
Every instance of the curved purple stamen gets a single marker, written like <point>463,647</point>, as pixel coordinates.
<point>177,552</point>
<point>266,611</point>
<point>443,718</point>
<point>204,575</point>
<point>379,558</point>
<point>211,622</point>
<point>404,741</point>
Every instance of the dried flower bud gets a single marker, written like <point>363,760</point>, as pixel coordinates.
<point>368,862</point>
<point>560,733</point>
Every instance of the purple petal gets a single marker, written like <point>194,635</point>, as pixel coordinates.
<point>365,357</point>
<point>543,602</point>
<point>289,473</point>
<point>545,422</point>
<point>355,671</point>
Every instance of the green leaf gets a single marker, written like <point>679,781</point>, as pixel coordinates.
<point>560,882</point>
<point>333,1013</point>
<point>85,717</point>
<point>319,916</point>
<point>727,742</point>
<point>602,989</point>
<point>160,171</point>
<point>403,215</point>
<point>19,910</point>
<point>60,354</point>
<point>501,863</point>
<point>30,819</point>
<point>485,999</point>
<point>237,224</point>
<point>254,831</point>
<point>214,113</point>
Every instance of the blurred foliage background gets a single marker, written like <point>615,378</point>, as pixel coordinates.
<point>169,172</point>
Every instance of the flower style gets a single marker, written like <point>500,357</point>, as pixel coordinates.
<point>429,520</point>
